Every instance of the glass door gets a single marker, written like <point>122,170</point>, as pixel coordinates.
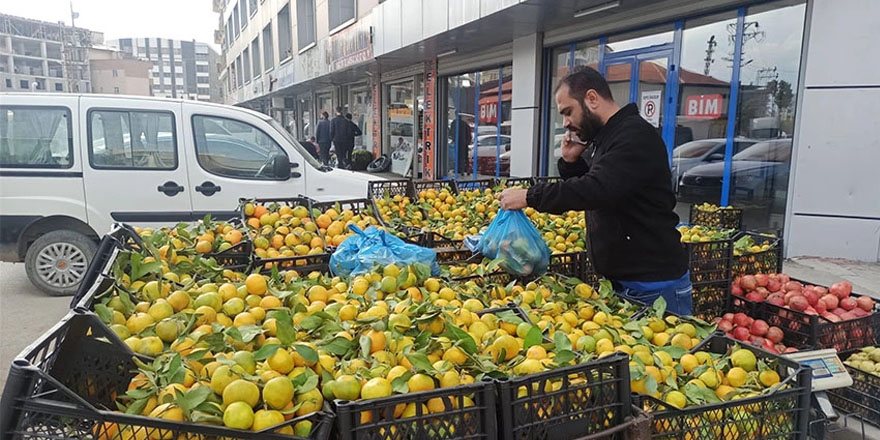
<point>641,76</point>
<point>400,141</point>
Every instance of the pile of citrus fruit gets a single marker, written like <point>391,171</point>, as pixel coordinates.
<point>250,351</point>
<point>282,230</point>
<point>333,223</point>
<point>701,234</point>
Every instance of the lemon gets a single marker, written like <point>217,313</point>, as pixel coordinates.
<point>676,399</point>
<point>375,388</point>
<point>737,377</point>
<point>238,415</point>
<point>278,392</point>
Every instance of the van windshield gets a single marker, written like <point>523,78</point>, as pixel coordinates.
<point>296,145</point>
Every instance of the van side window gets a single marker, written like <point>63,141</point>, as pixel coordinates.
<point>132,140</point>
<point>35,137</point>
<point>231,148</point>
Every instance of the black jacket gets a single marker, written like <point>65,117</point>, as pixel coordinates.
<point>623,183</point>
<point>342,131</point>
<point>322,132</point>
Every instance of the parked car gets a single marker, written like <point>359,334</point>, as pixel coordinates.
<point>74,164</point>
<point>756,174</point>
<point>487,150</point>
<point>694,153</point>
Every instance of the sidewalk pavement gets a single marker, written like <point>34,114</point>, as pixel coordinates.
<point>865,277</point>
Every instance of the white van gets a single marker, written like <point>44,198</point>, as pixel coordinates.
<point>71,165</point>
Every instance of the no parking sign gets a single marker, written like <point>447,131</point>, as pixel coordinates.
<point>651,107</point>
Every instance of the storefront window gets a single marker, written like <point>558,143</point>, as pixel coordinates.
<point>765,112</point>
<point>459,124</point>
<point>703,99</point>
<point>399,130</point>
<point>585,54</point>
<point>360,105</point>
<point>639,39</point>
<point>306,121</point>
<point>325,104</point>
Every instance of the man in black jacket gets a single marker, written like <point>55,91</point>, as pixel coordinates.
<point>323,136</point>
<point>615,167</point>
<point>342,133</point>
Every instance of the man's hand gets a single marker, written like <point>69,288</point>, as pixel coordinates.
<point>571,150</point>
<point>513,198</point>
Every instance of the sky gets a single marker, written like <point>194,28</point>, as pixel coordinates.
<point>175,19</point>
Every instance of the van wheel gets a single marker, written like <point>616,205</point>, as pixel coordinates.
<point>57,261</point>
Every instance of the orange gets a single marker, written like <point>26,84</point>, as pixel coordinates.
<point>259,210</point>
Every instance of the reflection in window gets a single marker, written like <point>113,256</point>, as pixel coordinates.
<point>35,138</point>
<point>399,126</point>
<point>766,110</point>
<point>132,140</point>
<point>585,54</point>
<point>639,39</point>
<point>231,148</point>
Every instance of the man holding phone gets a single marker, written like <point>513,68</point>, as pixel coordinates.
<point>615,167</point>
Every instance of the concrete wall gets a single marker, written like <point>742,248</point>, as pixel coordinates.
<point>834,193</point>
<point>132,76</point>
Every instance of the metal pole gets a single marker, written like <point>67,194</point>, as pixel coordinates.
<point>732,104</point>
<point>476,118</point>
<point>498,124</point>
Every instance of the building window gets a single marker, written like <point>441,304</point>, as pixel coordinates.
<point>244,14</point>
<point>255,52</point>
<point>268,47</point>
<point>23,84</point>
<point>35,137</point>
<point>246,57</point>
<point>242,155</point>
<point>8,83</point>
<point>59,87</point>
<point>115,73</point>
<point>340,12</point>
<point>202,79</point>
<point>230,37</point>
<point>238,73</point>
<point>252,6</point>
<point>132,140</point>
<point>116,90</point>
<point>201,68</point>
<point>285,37</point>
<point>235,21</point>
<point>305,23</point>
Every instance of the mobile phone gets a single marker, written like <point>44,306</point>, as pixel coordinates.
<point>573,137</point>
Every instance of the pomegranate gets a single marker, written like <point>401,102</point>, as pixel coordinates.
<point>762,291</point>
<point>820,307</point>
<point>838,311</point>
<point>736,290</point>
<point>777,299</point>
<point>830,301</point>
<point>841,289</point>
<point>847,303</point>
<point>811,297</point>
<point>756,340</point>
<point>821,291</point>
<point>754,297</point>
<point>865,303</point>
<point>728,317</point>
<point>761,280</point>
<point>773,284</point>
<point>741,333</point>
<point>725,326</point>
<point>783,278</point>
<point>810,311</point>
<point>742,320</point>
<point>759,327</point>
<point>775,334</point>
<point>748,283</point>
<point>769,346</point>
<point>831,317</point>
<point>798,302</point>
<point>859,312</point>
<point>792,285</point>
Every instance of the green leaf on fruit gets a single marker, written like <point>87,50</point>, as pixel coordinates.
<point>533,337</point>
<point>266,351</point>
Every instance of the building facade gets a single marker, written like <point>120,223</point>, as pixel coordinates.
<point>181,69</point>
<point>38,56</point>
<point>113,72</point>
<point>751,97</point>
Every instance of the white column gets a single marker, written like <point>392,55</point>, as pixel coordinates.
<point>525,114</point>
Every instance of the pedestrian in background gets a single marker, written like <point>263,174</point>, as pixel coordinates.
<point>312,147</point>
<point>342,133</point>
<point>324,136</point>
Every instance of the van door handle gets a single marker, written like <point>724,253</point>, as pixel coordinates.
<point>208,188</point>
<point>170,188</point>
<point>295,174</point>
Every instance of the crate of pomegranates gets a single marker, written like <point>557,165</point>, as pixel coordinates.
<point>809,315</point>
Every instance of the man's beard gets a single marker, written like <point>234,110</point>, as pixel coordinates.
<point>589,125</point>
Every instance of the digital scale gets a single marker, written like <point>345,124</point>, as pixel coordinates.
<point>828,373</point>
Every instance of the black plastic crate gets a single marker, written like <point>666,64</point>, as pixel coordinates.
<point>862,397</point>
<point>478,184</point>
<point>422,185</point>
<point>456,256</point>
<point>237,258</point>
<point>769,261</point>
<point>780,414</point>
<point>302,264</point>
<point>513,182</point>
<point>374,419</point>
<point>805,330</point>
<point>408,233</point>
<point>589,398</point>
<point>726,218</point>
<point>710,260</point>
<point>63,385</point>
<point>574,264</point>
<point>266,264</point>
<point>710,299</point>
<point>548,179</point>
<point>389,188</point>
<point>434,240</point>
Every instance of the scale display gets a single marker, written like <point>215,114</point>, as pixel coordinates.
<point>828,370</point>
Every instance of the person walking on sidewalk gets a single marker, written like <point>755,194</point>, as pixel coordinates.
<point>616,168</point>
<point>342,134</point>
<point>324,137</point>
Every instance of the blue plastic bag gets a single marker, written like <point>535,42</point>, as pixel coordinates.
<point>513,241</point>
<point>360,253</point>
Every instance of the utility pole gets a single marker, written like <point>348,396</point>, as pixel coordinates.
<point>750,32</point>
<point>710,49</point>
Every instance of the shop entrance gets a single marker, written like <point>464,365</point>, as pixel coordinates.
<point>643,76</point>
